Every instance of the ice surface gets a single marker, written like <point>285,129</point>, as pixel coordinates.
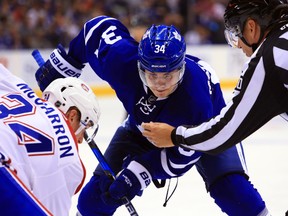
<point>266,155</point>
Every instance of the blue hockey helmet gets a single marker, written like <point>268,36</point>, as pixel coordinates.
<point>162,49</point>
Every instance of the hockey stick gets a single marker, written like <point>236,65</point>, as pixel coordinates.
<point>105,166</point>
<point>108,171</point>
<point>38,58</point>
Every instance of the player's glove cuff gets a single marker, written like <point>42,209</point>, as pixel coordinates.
<point>64,64</point>
<point>59,65</point>
<point>142,174</point>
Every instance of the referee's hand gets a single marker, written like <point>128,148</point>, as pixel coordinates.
<point>159,134</point>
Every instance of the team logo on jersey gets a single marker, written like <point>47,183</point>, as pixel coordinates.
<point>146,105</point>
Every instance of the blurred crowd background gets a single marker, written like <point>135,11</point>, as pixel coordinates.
<point>26,24</point>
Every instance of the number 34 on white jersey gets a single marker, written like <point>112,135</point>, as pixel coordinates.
<point>35,135</point>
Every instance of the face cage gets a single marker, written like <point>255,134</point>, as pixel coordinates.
<point>143,78</point>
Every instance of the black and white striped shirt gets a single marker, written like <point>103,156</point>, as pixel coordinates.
<point>260,95</point>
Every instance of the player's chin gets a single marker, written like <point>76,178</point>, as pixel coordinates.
<point>161,93</point>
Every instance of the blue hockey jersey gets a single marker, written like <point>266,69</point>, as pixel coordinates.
<point>105,43</point>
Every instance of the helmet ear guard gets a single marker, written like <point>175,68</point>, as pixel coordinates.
<point>65,93</point>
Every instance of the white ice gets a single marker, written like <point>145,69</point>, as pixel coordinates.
<point>266,155</point>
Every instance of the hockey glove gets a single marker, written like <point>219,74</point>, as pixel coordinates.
<point>59,65</point>
<point>129,183</point>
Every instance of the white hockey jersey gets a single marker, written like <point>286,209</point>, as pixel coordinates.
<point>43,150</point>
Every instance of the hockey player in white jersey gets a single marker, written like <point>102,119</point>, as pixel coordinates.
<point>40,169</point>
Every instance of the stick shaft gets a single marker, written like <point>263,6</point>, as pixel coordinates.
<point>38,58</point>
<point>108,171</point>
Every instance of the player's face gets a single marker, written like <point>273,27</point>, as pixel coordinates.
<point>80,132</point>
<point>162,84</point>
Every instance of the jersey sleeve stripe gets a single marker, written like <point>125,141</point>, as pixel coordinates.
<point>90,32</point>
<point>220,135</point>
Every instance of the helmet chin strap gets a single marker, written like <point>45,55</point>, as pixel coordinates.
<point>255,45</point>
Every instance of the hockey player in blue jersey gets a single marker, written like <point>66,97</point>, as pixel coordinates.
<point>155,81</point>
<point>259,29</point>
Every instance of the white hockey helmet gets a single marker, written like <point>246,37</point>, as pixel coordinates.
<point>67,92</point>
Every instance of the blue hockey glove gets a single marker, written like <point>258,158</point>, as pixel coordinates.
<point>129,183</point>
<point>105,182</point>
<point>58,65</point>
